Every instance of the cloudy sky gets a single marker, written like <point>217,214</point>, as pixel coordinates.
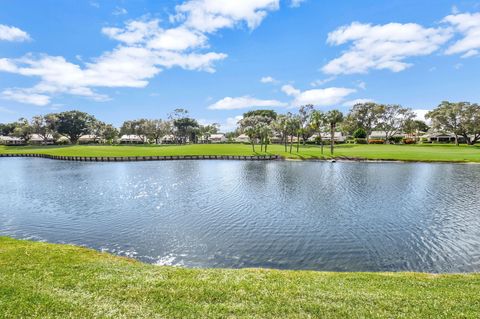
<point>129,59</point>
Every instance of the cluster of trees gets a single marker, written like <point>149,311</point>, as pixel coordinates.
<point>74,124</point>
<point>460,119</point>
<point>261,126</point>
<point>179,124</point>
<point>71,124</point>
<point>363,118</point>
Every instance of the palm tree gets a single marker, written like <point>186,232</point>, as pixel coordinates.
<point>333,117</point>
<point>317,122</point>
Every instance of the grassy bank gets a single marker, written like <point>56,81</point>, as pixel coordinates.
<point>60,281</point>
<point>446,153</point>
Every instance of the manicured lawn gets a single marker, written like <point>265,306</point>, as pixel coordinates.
<point>59,281</point>
<point>452,153</point>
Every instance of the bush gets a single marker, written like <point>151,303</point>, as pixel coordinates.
<point>395,139</point>
<point>360,133</point>
<point>409,141</point>
<point>376,141</point>
<point>361,141</point>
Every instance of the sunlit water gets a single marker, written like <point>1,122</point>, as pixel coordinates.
<point>295,215</point>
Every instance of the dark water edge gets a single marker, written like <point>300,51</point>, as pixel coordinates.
<point>288,215</point>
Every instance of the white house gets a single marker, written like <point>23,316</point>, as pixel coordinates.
<point>242,138</point>
<point>11,140</point>
<point>39,139</point>
<point>87,139</point>
<point>132,139</point>
<point>217,138</point>
<point>380,135</point>
<point>337,137</point>
<point>168,139</point>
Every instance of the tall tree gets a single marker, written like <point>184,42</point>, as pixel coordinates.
<point>392,120</point>
<point>304,114</point>
<point>74,124</point>
<point>44,126</point>
<point>448,117</point>
<point>365,116</point>
<point>317,123</point>
<point>23,129</point>
<point>333,117</point>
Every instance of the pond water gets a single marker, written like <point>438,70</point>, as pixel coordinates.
<point>288,215</point>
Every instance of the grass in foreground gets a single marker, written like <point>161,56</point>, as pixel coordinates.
<point>59,281</point>
<point>427,153</point>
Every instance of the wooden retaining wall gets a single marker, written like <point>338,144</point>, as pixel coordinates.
<point>147,158</point>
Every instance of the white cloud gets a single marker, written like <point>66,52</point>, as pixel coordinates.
<point>322,82</point>
<point>119,11</point>
<point>145,49</point>
<point>211,15</point>
<point>290,90</point>
<point>357,101</point>
<point>243,102</point>
<point>362,85</point>
<point>382,46</point>
<point>268,79</point>
<point>468,25</point>
<point>318,97</point>
<point>8,33</point>
<point>296,3</point>
<point>421,114</point>
<point>24,96</point>
<point>230,124</point>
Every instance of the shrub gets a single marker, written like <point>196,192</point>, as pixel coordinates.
<point>409,141</point>
<point>361,141</point>
<point>360,133</point>
<point>376,141</point>
<point>395,139</point>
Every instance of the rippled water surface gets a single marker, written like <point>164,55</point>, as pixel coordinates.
<point>296,215</point>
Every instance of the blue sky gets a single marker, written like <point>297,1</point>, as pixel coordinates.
<point>130,59</point>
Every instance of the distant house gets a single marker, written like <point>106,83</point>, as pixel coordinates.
<point>242,138</point>
<point>89,139</point>
<point>337,137</point>
<point>168,139</point>
<point>380,135</point>
<point>132,139</point>
<point>217,138</point>
<point>38,139</point>
<point>11,140</point>
<point>442,137</point>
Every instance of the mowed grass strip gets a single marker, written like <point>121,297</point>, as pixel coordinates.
<point>60,281</point>
<point>426,153</point>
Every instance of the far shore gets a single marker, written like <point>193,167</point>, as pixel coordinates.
<point>425,153</point>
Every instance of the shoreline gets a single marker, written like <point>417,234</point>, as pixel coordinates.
<point>341,159</point>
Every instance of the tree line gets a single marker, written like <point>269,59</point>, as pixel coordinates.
<point>461,119</point>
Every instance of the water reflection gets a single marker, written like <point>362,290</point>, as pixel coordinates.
<point>301,215</point>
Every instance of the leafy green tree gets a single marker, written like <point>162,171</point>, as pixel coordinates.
<point>333,117</point>
<point>280,127</point>
<point>23,129</point>
<point>74,124</point>
<point>304,114</point>
<point>44,126</point>
<point>317,123</point>
<point>360,133</point>
<point>7,128</point>
<point>392,120</point>
<point>249,127</point>
<point>449,117</point>
<point>363,115</point>
<point>186,129</point>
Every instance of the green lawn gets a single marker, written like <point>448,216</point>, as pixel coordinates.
<point>43,280</point>
<point>449,153</point>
